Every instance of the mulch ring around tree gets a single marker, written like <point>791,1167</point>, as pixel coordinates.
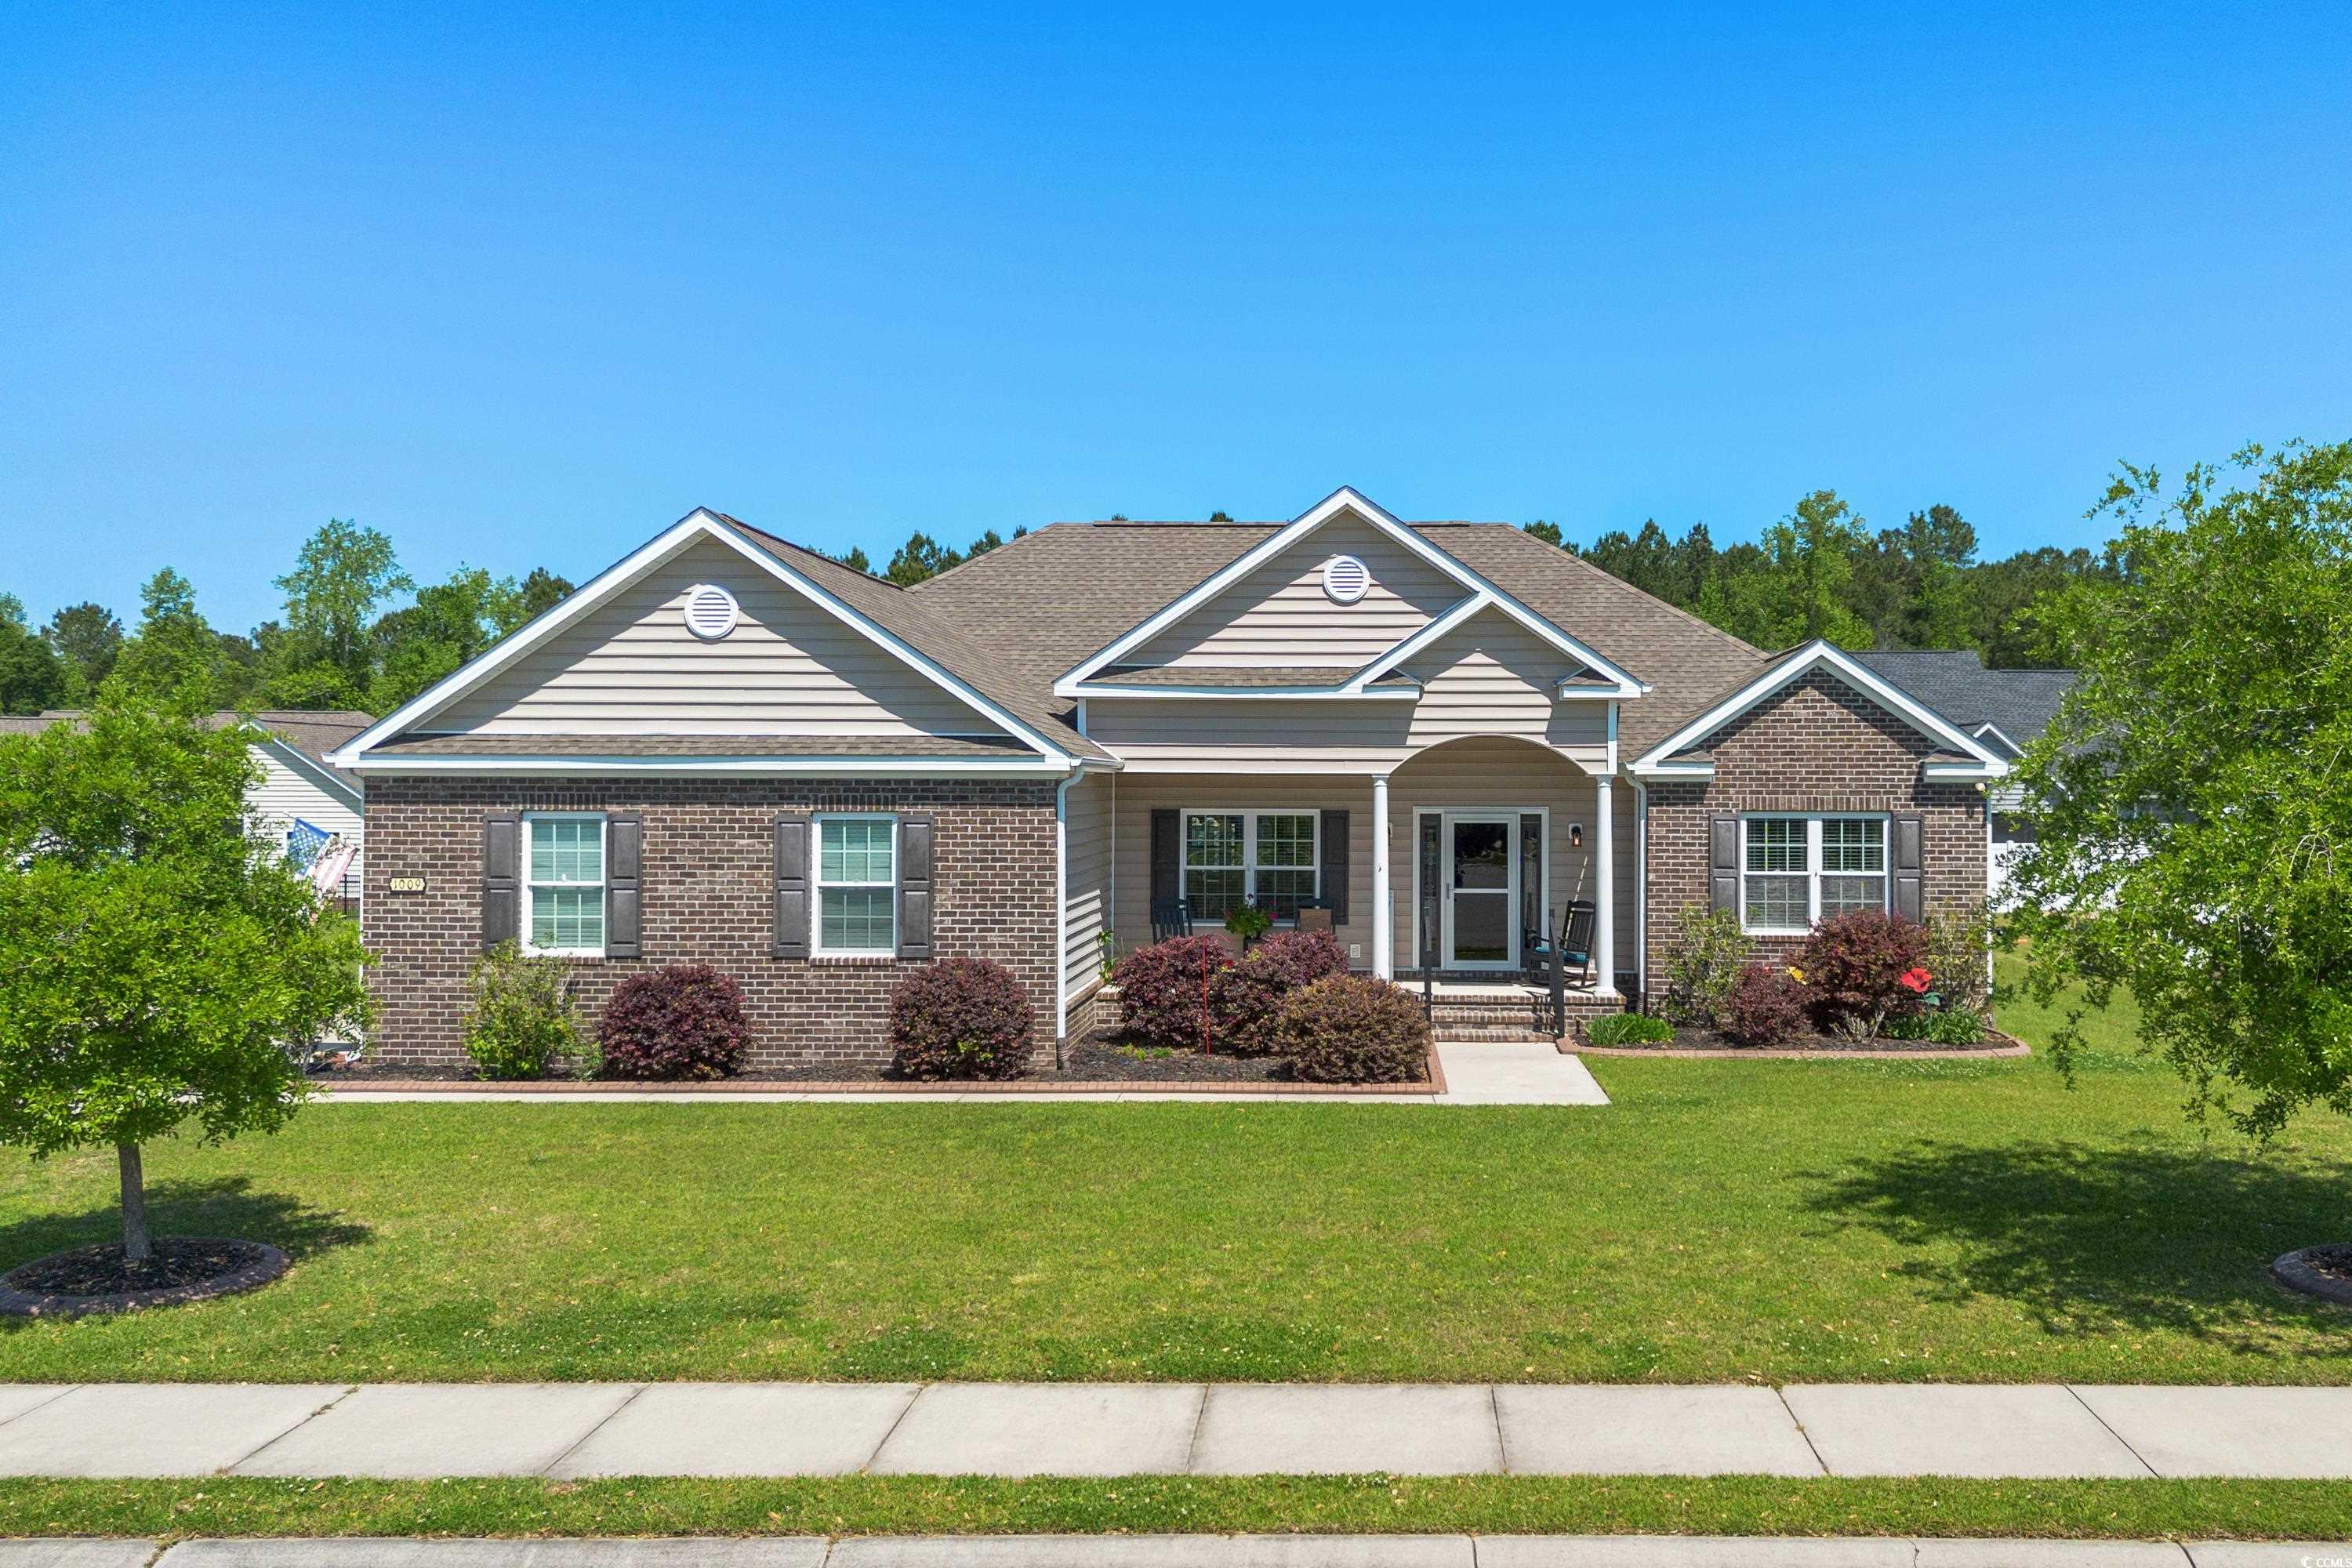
<point>1693,1042</point>
<point>98,1279</point>
<point>2324,1272</point>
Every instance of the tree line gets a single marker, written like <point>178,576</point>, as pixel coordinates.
<point>357,632</point>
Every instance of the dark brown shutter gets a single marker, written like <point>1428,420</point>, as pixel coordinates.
<point>791,937</point>
<point>1335,864</point>
<point>1167,856</point>
<point>1906,857</point>
<point>1723,863</point>
<point>915,888</point>
<point>625,856</point>
<point>501,872</point>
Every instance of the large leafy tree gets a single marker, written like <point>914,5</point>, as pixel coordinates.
<point>32,676</point>
<point>2192,805</point>
<point>450,623</point>
<point>88,637</point>
<point>175,655</point>
<point>345,574</point>
<point>1800,585</point>
<point>157,958</point>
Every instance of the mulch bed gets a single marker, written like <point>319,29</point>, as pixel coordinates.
<point>2324,1272</point>
<point>1101,1060</point>
<point>98,1279</point>
<point>1708,1043</point>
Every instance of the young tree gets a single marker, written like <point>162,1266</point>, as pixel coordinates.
<point>88,637</point>
<point>2192,810</point>
<point>157,958</point>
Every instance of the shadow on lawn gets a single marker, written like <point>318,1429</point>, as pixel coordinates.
<point>2092,1241</point>
<point>221,1205</point>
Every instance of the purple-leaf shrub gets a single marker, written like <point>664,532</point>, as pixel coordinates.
<point>962,1018</point>
<point>1165,989</point>
<point>1245,996</point>
<point>1352,1028</point>
<point>1854,965</point>
<point>682,1021</point>
<point>1765,1008</point>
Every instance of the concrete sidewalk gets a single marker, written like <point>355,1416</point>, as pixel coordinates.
<point>584,1429</point>
<point>1186,1552</point>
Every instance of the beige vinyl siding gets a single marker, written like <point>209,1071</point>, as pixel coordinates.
<point>1279,614</point>
<point>1497,772</point>
<point>283,794</point>
<point>789,668</point>
<point>1491,676</point>
<point>1085,894</point>
<point>1220,735</point>
<point>1138,796</point>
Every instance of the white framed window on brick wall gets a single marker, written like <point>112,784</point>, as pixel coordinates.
<point>1271,857</point>
<point>856,913</point>
<point>563,884</point>
<point>1796,869</point>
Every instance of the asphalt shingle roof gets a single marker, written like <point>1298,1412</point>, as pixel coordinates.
<point>1955,683</point>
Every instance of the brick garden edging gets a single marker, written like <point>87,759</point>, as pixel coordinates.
<point>1016,1090</point>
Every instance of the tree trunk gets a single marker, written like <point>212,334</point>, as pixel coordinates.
<point>136,1248</point>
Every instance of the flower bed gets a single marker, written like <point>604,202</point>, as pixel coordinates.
<point>1690,1041</point>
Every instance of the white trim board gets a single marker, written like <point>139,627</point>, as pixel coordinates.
<point>1658,760</point>
<point>1345,500</point>
<point>687,767</point>
<point>697,525</point>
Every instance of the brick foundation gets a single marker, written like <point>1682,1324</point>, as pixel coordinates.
<point>1815,745</point>
<point>708,895</point>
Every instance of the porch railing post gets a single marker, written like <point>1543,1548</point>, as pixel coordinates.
<point>1559,980</point>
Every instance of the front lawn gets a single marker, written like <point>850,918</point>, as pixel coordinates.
<point>1784,1221</point>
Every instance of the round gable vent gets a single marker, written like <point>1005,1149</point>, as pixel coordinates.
<point>1345,581</point>
<point>710,611</point>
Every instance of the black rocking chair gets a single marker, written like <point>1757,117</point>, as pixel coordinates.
<point>1573,946</point>
<point>1171,918</point>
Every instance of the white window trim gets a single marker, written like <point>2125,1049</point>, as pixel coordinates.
<point>817,885</point>
<point>528,896</point>
<point>1812,873</point>
<point>1249,867</point>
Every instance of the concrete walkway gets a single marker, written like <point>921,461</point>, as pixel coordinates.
<point>1185,1552</point>
<point>1476,1073</point>
<point>582,1429</point>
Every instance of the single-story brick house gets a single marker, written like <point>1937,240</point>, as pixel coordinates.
<point>730,749</point>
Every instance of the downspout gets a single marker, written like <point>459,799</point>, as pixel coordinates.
<point>1062,917</point>
<point>1641,892</point>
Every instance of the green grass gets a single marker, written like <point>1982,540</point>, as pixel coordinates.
<point>864,1505</point>
<point>1723,1220</point>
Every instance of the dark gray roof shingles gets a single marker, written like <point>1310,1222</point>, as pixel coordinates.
<point>2020,703</point>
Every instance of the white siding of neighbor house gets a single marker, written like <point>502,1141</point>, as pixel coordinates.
<point>1279,614</point>
<point>283,794</point>
<point>789,668</point>
<point>1085,893</point>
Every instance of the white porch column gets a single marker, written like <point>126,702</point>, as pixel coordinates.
<point>1604,884</point>
<point>1383,903</point>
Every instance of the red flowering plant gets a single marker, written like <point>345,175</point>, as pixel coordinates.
<point>1915,979</point>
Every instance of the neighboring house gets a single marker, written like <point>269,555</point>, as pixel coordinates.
<point>2005,708</point>
<point>728,749</point>
<point>301,800</point>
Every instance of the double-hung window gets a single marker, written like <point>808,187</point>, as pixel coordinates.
<point>563,889</point>
<point>856,885</point>
<point>1269,857</point>
<point>1795,870</point>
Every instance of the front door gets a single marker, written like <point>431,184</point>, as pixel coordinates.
<point>1482,892</point>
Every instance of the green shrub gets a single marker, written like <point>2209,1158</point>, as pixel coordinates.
<point>522,1019</point>
<point>1351,1028</point>
<point>1707,956</point>
<point>1950,1026</point>
<point>1628,1029</point>
<point>1248,922</point>
<point>1959,946</point>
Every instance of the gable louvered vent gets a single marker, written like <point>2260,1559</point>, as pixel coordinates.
<point>710,611</point>
<point>1345,580</point>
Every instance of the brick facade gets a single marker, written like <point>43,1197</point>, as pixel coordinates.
<point>1815,745</point>
<point>707,892</point>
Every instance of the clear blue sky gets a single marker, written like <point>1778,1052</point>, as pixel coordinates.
<point>519,289</point>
